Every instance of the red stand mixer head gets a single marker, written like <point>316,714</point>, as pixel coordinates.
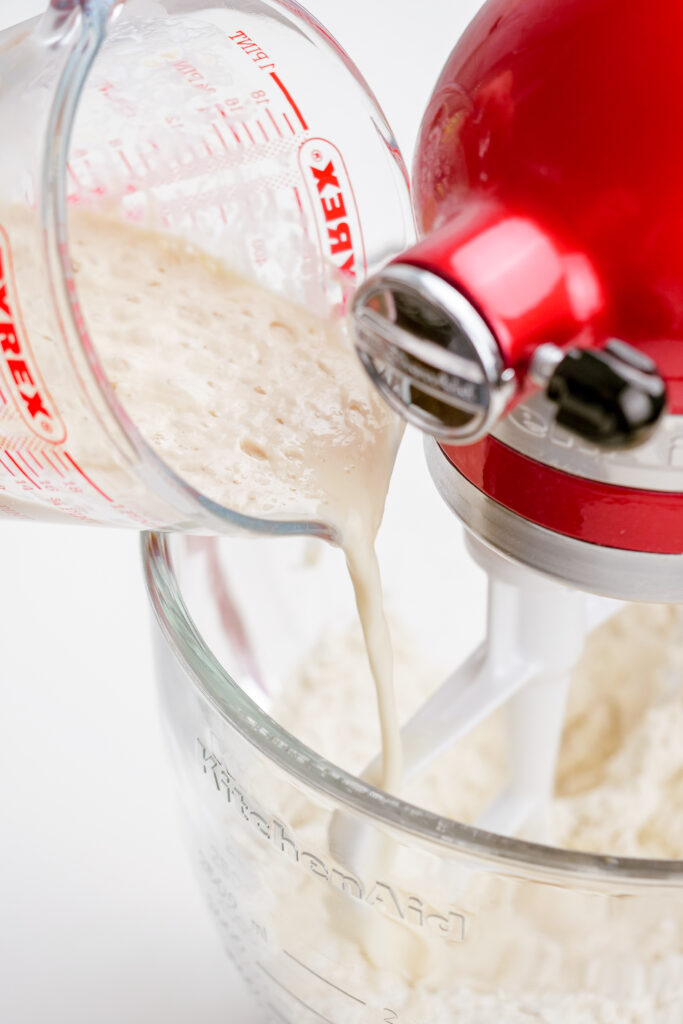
<point>537,330</point>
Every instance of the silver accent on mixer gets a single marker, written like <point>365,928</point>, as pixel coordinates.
<point>610,572</point>
<point>531,429</point>
<point>431,354</point>
<point>545,361</point>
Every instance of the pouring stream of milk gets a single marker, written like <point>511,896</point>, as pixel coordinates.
<point>260,405</point>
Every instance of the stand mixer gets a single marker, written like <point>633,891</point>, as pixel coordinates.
<point>535,334</point>
<point>553,230</point>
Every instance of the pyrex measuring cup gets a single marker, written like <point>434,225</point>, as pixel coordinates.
<point>448,923</point>
<point>240,127</point>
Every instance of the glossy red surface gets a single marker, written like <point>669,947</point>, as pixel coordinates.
<point>613,517</point>
<point>549,165</point>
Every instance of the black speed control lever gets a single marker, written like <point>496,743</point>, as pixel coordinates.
<point>613,397</point>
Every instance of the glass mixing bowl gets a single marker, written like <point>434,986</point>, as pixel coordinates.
<point>418,918</point>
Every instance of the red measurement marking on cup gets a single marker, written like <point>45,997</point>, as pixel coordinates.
<point>263,131</point>
<point>297,196</point>
<point>74,177</point>
<point>220,137</point>
<point>53,465</point>
<point>144,160</point>
<point>56,457</point>
<point>193,75</point>
<point>20,371</point>
<point>126,162</point>
<point>87,478</point>
<point>7,468</point>
<point>257,55</point>
<point>289,124</point>
<point>25,462</point>
<point>230,126</point>
<point>276,126</point>
<point>280,84</point>
<point>252,49</point>
<point>23,471</point>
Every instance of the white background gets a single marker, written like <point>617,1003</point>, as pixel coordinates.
<point>100,920</point>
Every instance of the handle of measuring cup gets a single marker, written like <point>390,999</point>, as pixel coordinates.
<point>85,45</point>
<point>58,19</point>
<point>68,6</point>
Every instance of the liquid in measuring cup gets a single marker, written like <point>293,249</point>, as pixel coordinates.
<point>214,128</point>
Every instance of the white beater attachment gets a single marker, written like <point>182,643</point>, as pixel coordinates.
<point>536,633</point>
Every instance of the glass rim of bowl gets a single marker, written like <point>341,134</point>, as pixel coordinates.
<point>295,759</point>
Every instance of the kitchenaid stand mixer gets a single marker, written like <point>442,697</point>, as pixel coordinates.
<point>536,334</point>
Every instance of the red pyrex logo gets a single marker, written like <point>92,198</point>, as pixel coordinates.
<point>19,368</point>
<point>334,206</point>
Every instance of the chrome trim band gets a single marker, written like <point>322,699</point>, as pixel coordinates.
<point>610,572</point>
<point>657,465</point>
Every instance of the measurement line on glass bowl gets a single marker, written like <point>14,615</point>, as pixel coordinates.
<point>316,1013</point>
<point>281,1016</point>
<point>320,977</point>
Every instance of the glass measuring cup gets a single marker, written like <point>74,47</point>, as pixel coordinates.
<point>240,128</point>
<point>451,923</point>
